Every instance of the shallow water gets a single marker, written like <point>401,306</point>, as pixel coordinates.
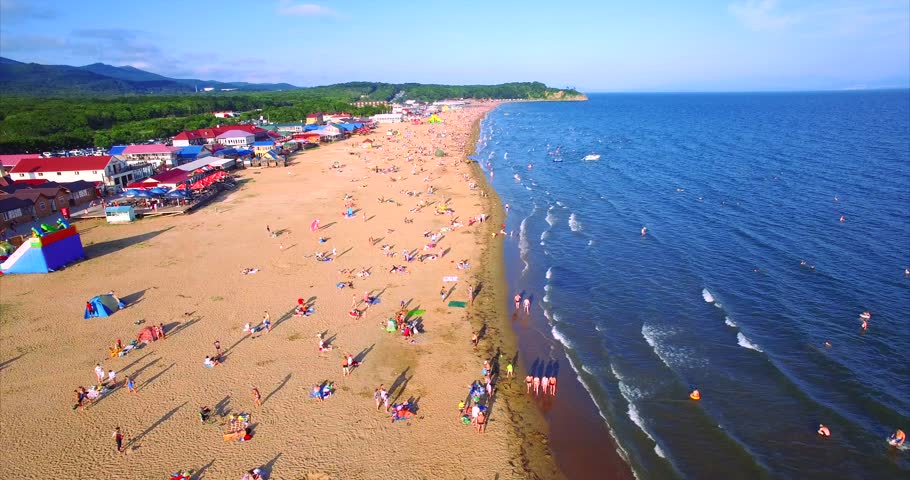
<point>735,190</point>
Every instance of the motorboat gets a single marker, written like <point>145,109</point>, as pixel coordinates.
<point>592,157</point>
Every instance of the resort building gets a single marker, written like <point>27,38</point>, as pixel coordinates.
<point>157,155</point>
<point>10,161</point>
<point>236,138</point>
<point>387,118</point>
<point>104,171</point>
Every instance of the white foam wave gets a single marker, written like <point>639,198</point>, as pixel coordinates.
<point>556,317</point>
<point>561,339</point>
<point>671,356</point>
<point>505,156</point>
<point>546,297</point>
<point>615,373</point>
<point>590,242</point>
<point>660,453</point>
<point>573,223</point>
<point>729,321</point>
<point>528,188</point>
<point>707,295</point>
<point>744,342</point>
<point>549,274</point>
<point>551,219</point>
<point>587,369</point>
<point>547,288</point>
<point>523,245</point>
<point>560,203</point>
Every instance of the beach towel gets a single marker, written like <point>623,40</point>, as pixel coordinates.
<point>455,304</point>
<point>416,312</point>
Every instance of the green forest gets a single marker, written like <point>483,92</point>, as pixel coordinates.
<point>34,124</point>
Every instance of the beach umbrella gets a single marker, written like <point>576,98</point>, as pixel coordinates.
<point>197,186</point>
<point>157,191</point>
<point>139,194</point>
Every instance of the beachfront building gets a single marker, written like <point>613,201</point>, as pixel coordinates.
<point>315,119</point>
<point>157,155</point>
<point>236,138</point>
<point>107,171</point>
<point>388,118</point>
<point>259,148</point>
<point>185,139</point>
<point>290,128</point>
<point>208,136</point>
<point>14,210</point>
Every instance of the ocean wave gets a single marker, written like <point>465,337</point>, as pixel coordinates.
<point>562,339</point>
<point>551,219</point>
<point>505,156</point>
<point>744,342</point>
<point>729,321</point>
<point>660,453</point>
<point>573,223</point>
<point>560,204</point>
<point>671,356</point>
<point>590,242</point>
<point>556,317</point>
<point>523,245</point>
<point>546,297</point>
<point>549,274</point>
<point>707,295</point>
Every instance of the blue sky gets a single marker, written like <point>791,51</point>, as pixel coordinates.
<point>594,45</point>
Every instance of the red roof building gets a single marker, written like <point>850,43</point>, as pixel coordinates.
<point>10,161</point>
<point>208,135</point>
<point>100,170</point>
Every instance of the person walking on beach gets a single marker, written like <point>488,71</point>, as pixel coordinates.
<point>130,384</point>
<point>474,340</point>
<point>517,299</point>
<point>377,396</point>
<point>528,382</point>
<point>509,370</point>
<point>217,345</point>
<point>536,385</point>
<point>257,397</point>
<point>118,439</point>
<point>80,399</point>
<point>353,300</point>
<point>553,386</point>
<point>112,378</point>
<point>527,303</point>
<point>545,384</point>
<point>442,293</point>
<point>99,373</point>
<point>481,422</point>
<point>267,322</point>
<point>471,292</point>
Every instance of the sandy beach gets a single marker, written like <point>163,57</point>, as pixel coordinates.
<point>185,272</point>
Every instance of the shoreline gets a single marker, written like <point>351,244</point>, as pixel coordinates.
<point>530,431</point>
<point>571,433</point>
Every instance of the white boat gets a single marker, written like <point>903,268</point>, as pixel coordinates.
<point>592,157</point>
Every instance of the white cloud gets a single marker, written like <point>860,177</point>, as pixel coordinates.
<point>760,14</point>
<point>287,7</point>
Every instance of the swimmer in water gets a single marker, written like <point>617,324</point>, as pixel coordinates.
<point>517,300</point>
<point>907,271</point>
<point>842,219</point>
<point>823,430</point>
<point>828,344</point>
<point>802,263</point>
<point>865,324</point>
<point>695,395</point>
<point>644,231</point>
<point>898,438</point>
<point>835,199</point>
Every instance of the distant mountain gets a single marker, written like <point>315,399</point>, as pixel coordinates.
<point>17,78</point>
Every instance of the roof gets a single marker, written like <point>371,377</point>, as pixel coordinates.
<point>190,166</point>
<point>33,194</point>
<point>264,144</point>
<point>153,148</point>
<point>62,164</point>
<point>9,202</point>
<point>216,131</point>
<point>175,175</point>
<point>117,150</point>
<point>48,188</point>
<point>10,161</point>
<point>235,134</point>
<point>192,151</point>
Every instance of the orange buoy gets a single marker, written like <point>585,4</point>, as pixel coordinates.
<point>695,395</point>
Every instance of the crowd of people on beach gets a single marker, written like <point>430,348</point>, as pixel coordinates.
<point>434,245</point>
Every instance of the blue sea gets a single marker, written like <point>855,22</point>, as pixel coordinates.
<point>736,191</point>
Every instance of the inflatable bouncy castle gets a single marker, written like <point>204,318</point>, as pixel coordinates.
<point>46,251</point>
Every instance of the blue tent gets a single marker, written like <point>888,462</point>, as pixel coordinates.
<point>138,194</point>
<point>177,194</point>
<point>158,190</point>
<point>102,306</point>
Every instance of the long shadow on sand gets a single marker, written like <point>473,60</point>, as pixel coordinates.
<point>279,387</point>
<point>101,249</point>
<point>135,440</point>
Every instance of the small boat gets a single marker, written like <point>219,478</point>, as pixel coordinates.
<point>592,157</point>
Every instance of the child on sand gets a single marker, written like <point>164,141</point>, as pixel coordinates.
<point>130,385</point>
<point>257,397</point>
<point>118,439</point>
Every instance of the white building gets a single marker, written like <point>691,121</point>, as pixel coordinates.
<point>156,154</point>
<point>236,138</point>
<point>387,118</point>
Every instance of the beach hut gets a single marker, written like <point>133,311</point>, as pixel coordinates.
<point>101,306</point>
<point>120,214</point>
